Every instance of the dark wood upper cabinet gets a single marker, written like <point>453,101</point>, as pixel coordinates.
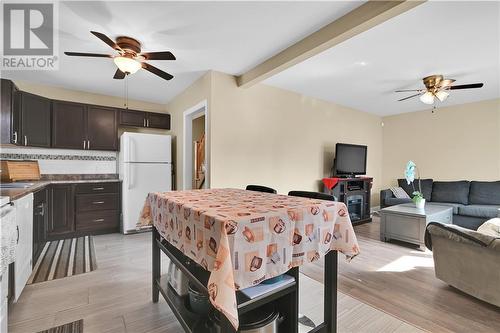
<point>35,120</point>
<point>62,215</point>
<point>132,118</point>
<point>68,125</point>
<point>158,120</point>
<point>102,128</point>
<point>82,126</point>
<point>9,113</point>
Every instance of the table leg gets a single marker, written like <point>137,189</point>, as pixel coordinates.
<point>330,307</point>
<point>156,263</point>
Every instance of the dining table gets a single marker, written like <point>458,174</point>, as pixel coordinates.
<point>244,237</point>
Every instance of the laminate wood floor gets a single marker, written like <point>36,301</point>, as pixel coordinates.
<point>117,298</point>
<point>399,280</point>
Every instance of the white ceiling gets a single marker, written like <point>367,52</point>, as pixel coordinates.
<point>230,37</point>
<point>460,40</point>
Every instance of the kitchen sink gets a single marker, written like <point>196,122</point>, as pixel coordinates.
<point>16,185</point>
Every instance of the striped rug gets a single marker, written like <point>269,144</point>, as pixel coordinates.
<point>65,257</point>
<point>74,327</point>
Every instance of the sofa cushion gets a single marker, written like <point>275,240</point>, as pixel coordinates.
<point>491,227</point>
<point>399,192</point>
<point>396,201</point>
<point>456,191</point>
<point>455,206</point>
<point>488,211</point>
<point>425,183</point>
<point>484,193</point>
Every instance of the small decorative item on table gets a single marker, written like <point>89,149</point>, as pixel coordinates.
<point>417,196</point>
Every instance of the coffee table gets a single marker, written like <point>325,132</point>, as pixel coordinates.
<point>407,223</point>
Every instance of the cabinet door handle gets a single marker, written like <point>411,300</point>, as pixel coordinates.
<point>98,202</point>
<point>14,139</point>
<point>98,220</point>
<point>98,189</point>
<point>148,122</point>
<point>84,144</point>
<point>88,144</point>
<point>17,228</point>
<point>25,140</point>
<point>144,122</point>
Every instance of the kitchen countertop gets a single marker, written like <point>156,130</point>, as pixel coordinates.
<point>16,193</point>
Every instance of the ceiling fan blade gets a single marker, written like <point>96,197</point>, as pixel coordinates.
<point>409,90</point>
<point>446,83</point>
<point>119,75</point>
<point>466,86</point>
<point>80,54</point>
<point>106,40</point>
<point>158,55</point>
<point>403,99</point>
<point>156,71</point>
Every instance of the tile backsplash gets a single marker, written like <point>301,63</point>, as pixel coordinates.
<point>65,161</point>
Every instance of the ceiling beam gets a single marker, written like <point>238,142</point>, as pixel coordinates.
<point>353,23</point>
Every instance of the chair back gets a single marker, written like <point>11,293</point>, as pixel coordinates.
<point>259,188</point>
<point>312,195</point>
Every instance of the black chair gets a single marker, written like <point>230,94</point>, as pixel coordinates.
<point>312,195</point>
<point>259,188</point>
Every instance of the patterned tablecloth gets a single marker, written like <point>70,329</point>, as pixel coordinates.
<point>244,237</point>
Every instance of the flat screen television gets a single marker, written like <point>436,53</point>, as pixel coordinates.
<point>350,160</point>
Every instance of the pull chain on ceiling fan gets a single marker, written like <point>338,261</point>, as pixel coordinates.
<point>130,58</point>
<point>436,87</point>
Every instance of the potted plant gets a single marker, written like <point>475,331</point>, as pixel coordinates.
<point>417,196</point>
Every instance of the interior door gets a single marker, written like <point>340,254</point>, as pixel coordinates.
<point>102,129</point>
<point>139,180</point>
<point>68,125</point>
<point>35,120</point>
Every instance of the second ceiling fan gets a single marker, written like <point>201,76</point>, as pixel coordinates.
<point>129,58</point>
<point>436,87</point>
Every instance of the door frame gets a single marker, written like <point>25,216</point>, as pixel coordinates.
<point>196,111</point>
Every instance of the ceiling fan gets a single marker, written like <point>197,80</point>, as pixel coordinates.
<point>129,58</point>
<point>436,86</point>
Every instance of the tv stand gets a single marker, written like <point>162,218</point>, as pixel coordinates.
<point>355,193</point>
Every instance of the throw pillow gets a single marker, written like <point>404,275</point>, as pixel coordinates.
<point>490,227</point>
<point>399,193</point>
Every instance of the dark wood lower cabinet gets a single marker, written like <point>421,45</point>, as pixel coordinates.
<point>62,214</point>
<point>40,222</point>
<point>83,209</point>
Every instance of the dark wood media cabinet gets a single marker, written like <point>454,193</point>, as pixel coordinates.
<point>355,193</point>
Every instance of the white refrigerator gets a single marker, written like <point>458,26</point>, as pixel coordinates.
<point>145,165</point>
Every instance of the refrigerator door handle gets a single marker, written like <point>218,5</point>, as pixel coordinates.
<point>130,143</point>
<point>129,172</point>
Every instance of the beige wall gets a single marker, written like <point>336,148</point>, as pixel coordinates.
<point>269,136</point>
<point>198,92</point>
<point>457,142</point>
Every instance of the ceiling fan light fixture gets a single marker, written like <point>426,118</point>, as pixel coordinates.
<point>427,98</point>
<point>442,95</point>
<point>127,65</point>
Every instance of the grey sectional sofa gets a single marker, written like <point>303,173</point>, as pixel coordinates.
<point>473,202</point>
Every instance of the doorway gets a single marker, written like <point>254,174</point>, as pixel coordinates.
<point>195,147</point>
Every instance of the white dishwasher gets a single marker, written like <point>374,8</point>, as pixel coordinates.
<point>24,248</point>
